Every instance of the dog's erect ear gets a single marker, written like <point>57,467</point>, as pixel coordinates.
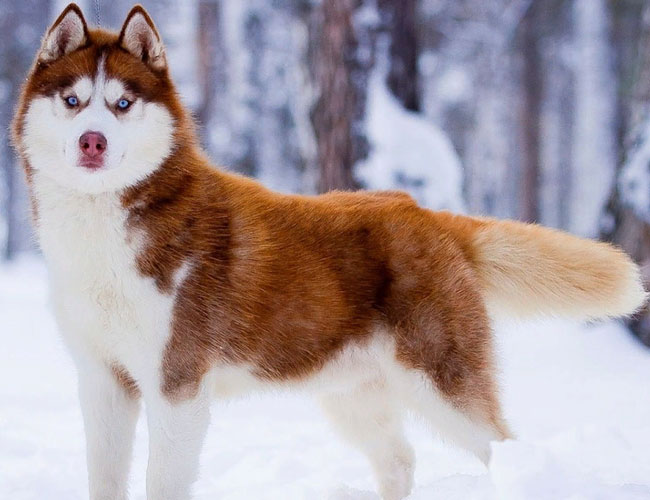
<point>140,37</point>
<point>67,34</point>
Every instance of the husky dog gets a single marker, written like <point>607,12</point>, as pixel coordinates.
<point>174,282</point>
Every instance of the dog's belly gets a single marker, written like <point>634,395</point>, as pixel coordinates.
<point>370,361</point>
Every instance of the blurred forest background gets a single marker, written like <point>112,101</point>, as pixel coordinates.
<point>533,110</point>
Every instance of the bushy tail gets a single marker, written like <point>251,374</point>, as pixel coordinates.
<point>527,270</point>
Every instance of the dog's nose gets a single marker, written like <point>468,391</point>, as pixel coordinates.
<point>93,144</point>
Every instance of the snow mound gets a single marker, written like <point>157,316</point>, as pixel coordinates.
<point>594,465</point>
<point>634,181</point>
<point>409,153</point>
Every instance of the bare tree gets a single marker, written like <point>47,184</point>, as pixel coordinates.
<point>211,67</point>
<point>341,101</point>
<point>555,30</point>
<point>531,113</point>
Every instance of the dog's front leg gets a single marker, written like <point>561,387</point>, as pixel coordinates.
<point>110,412</point>
<point>176,433</point>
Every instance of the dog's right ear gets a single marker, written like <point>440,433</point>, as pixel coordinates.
<point>67,34</point>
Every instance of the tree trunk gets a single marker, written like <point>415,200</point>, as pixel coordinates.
<point>211,67</point>
<point>532,98</point>
<point>339,108</point>
<point>399,17</point>
<point>556,113</point>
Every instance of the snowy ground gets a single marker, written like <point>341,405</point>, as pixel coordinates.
<point>578,397</point>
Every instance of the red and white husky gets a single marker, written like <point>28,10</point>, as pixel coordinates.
<point>174,282</point>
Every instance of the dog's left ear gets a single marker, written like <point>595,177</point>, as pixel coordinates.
<point>140,37</point>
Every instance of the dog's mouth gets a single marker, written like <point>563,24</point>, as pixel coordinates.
<point>91,164</point>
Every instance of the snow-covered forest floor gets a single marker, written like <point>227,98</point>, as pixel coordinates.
<point>577,397</point>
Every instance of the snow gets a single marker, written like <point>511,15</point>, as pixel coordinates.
<point>408,152</point>
<point>577,397</point>
<point>634,181</point>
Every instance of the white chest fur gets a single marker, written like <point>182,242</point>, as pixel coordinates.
<point>104,307</point>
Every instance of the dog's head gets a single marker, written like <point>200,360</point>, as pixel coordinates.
<point>98,111</point>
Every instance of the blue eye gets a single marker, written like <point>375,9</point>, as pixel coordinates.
<point>71,101</point>
<point>123,104</point>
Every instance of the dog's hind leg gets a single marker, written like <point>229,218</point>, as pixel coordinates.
<point>445,365</point>
<point>369,419</point>
<point>464,423</point>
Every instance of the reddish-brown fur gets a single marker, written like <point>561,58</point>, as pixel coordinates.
<point>126,381</point>
<point>284,283</point>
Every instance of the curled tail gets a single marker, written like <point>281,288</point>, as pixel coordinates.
<point>528,270</point>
